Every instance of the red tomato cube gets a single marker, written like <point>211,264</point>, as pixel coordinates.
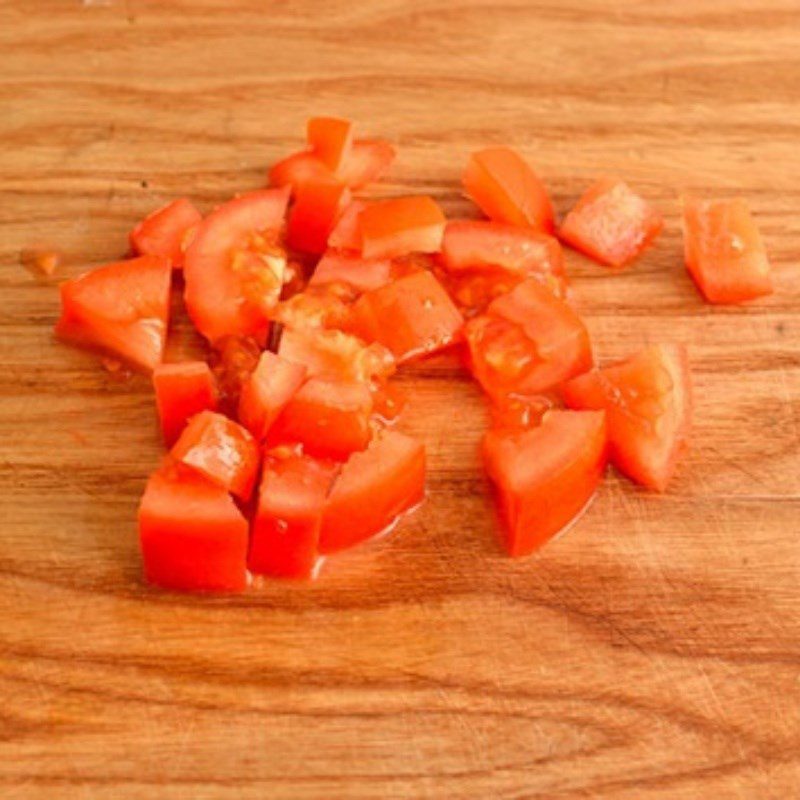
<point>316,209</point>
<point>166,231</point>
<point>392,228</point>
<point>331,140</point>
<point>362,274</point>
<point>182,390</point>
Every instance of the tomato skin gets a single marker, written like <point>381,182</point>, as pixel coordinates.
<point>392,228</point>
<point>372,490</point>
<point>506,189</point>
<point>285,534</point>
<point>648,404</point>
<point>234,267</point>
<point>121,309</point>
<point>314,214</point>
<point>346,234</point>
<point>331,140</point>
<point>192,536</point>
<point>165,231</point>
<point>544,477</point>
<point>182,390</point>
<point>369,160</point>
<point>362,274</point>
<point>412,316</point>
<point>527,342</point>
<point>723,250</point>
<point>221,450</point>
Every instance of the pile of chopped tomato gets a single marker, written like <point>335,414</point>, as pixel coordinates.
<point>282,442</point>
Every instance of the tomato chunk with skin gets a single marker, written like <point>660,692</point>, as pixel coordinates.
<point>392,228</point>
<point>372,490</point>
<point>369,160</point>
<point>331,140</point>
<point>724,252</point>
<point>346,235</point>
<point>234,267</point>
<point>166,231</point>
<point>284,542</point>
<point>221,450</point>
<point>330,418</point>
<point>362,274</point>
<point>506,189</point>
<point>182,390</point>
<point>314,215</point>
<point>545,477</point>
<point>298,170</point>
<point>648,403</point>
<point>121,309</point>
<point>527,342</point>
<point>412,316</point>
<point>611,223</point>
<point>192,535</point>
<point>326,305</point>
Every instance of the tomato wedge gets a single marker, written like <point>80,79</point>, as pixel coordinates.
<point>369,161</point>
<point>527,342</point>
<point>285,535</point>
<point>192,536</point>
<point>724,252</point>
<point>331,140</point>
<point>362,274</point>
<point>546,476</point>
<point>121,309</point>
<point>372,490</point>
<point>647,399</point>
<point>314,215</point>
<point>234,267</point>
<point>182,390</point>
<point>392,228</point>
<point>346,235</point>
<point>506,189</point>
<point>166,231</point>
<point>221,450</point>
<point>412,316</point>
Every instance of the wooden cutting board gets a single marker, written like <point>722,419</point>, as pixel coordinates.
<point>653,652</point>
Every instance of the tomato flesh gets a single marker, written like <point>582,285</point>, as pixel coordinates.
<point>392,228</point>
<point>182,390</point>
<point>166,231</point>
<point>331,140</point>
<point>362,274</point>
<point>314,214</point>
<point>647,400</point>
<point>319,306</point>
<point>346,235</point>
<point>368,161</point>
<point>544,477</point>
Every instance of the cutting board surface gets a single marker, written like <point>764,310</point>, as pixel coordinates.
<point>652,652</point>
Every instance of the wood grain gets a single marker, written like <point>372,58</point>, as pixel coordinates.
<point>654,652</point>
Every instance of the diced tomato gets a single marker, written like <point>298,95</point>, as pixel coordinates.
<point>648,403</point>
<point>507,190</point>
<point>369,160</point>
<point>527,342</point>
<point>182,390</point>
<point>392,228</point>
<point>611,223</point>
<point>285,534</point>
<point>166,231</point>
<point>412,316</point>
<point>372,490</point>
<point>234,267</point>
<point>314,214</point>
<point>232,361</point>
<point>221,450</point>
<point>298,170</point>
<point>347,233</point>
<point>329,418</point>
<point>362,274</point>
<point>121,309</point>
<point>331,140</point>
<point>724,252</point>
<point>520,413</point>
<point>318,306</point>
<point>269,388</point>
<point>193,538</point>
<point>388,402</point>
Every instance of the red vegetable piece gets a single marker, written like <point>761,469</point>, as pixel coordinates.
<point>314,215</point>
<point>724,252</point>
<point>318,306</point>
<point>648,403</point>
<point>372,490</point>
<point>166,231</point>
<point>369,161</point>
<point>392,228</point>
<point>527,342</point>
<point>182,390</point>
<point>192,536</point>
<point>346,235</point>
<point>221,450</point>
<point>546,476</point>
<point>507,190</point>
<point>121,309</point>
<point>298,170</point>
<point>331,140</point>
<point>362,274</point>
<point>520,413</point>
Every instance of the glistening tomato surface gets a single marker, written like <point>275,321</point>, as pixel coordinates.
<point>182,390</point>
<point>392,228</point>
<point>314,214</point>
<point>331,140</point>
<point>166,231</point>
<point>362,274</point>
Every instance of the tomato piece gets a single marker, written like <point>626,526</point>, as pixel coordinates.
<point>318,306</point>
<point>329,418</point>
<point>723,249</point>
<point>506,189</point>
<point>362,274</point>
<point>182,390</point>
<point>520,413</point>
<point>232,361</point>
<point>368,161</point>
<point>121,309</point>
<point>166,231</point>
<point>234,267</point>
<point>388,402</point>
<point>314,214</point>
<point>331,140</point>
<point>545,477</point>
<point>648,403</point>
<point>392,228</point>
<point>346,235</point>
<point>192,536</point>
<point>372,490</point>
<point>285,534</point>
<point>412,316</point>
<point>265,394</point>
<point>221,450</point>
<point>298,170</point>
<point>527,342</point>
